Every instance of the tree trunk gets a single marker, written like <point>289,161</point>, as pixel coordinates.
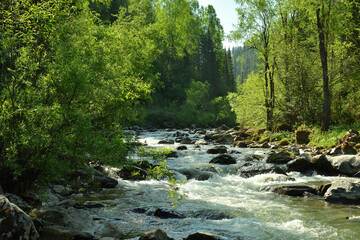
<point>324,64</point>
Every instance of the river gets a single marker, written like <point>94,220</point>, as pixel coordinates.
<point>226,205</point>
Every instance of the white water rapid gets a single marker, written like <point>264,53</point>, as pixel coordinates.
<point>226,205</point>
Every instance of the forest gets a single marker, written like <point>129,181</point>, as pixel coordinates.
<point>74,73</point>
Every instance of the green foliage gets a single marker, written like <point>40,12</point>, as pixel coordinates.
<point>329,138</point>
<point>160,171</point>
<point>65,93</point>
<point>248,103</point>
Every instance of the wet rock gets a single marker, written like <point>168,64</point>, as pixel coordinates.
<point>181,148</point>
<point>211,215</point>
<point>224,159</point>
<point>18,201</point>
<point>295,191</point>
<point>217,150</point>
<point>61,190</point>
<point>139,210</point>
<point>56,232</point>
<point>166,141</point>
<point>279,157</point>
<point>172,154</point>
<point>196,174</point>
<point>201,236</point>
<point>164,214</point>
<point>187,141</point>
<point>221,138</point>
<point>345,164</point>
<point>252,169</point>
<point>302,136</point>
<point>343,192</point>
<point>93,205</point>
<point>155,234</point>
<point>323,188</point>
<point>180,134</point>
<point>239,144</point>
<point>136,171</point>
<point>61,221</point>
<point>222,128</point>
<point>323,166</point>
<point>300,164</point>
<point>253,157</point>
<point>105,181</point>
<point>201,142</point>
<point>14,222</point>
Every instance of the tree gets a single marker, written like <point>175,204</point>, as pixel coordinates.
<point>255,25</point>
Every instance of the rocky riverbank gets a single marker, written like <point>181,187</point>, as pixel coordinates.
<point>59,211</point>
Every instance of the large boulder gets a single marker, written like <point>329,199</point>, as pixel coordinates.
<point>295,191</point>
<point>135,171</point>
<point>345,164</point>
<point>323,166</point>
<point>18,201</point>
<point>196,174</point>
<point>301,164</point>
<point>255,168</point>
<point>217,150</point>
<point>343,192</point>
<point>166,141</point>
<point>15,223</point>
<point>105,181</point>
<point>155,234</point>
<point>279,157</point>
<point>201,236</point>
<point>224,159</point>
<point>165,214</point>
<point>302,135</point>
<point>65,223</point>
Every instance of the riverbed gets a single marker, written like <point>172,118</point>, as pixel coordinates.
<point>226,205</point>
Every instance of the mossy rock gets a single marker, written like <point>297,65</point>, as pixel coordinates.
<point>302,135</point>
<point>284,142</point>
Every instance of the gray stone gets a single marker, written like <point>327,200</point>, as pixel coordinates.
<point>256,168</point>
<point>15,223</point>
<point>18,201</point>
<point>223,159</point>
<point>66,219</point>
<point>202,236</point>
<point>345,164</point>
<point>279,157</point>
<point>343,192</point>
<point>155,234</point>
<point>196,174</point>
<point>301,164</point>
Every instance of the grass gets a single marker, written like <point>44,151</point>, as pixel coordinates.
<point>329,138</point>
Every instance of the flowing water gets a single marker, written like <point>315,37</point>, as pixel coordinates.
<point>226,205</point>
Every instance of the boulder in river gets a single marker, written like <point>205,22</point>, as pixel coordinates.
<point>196,174</point>
<point>255,168</point>
<point>155,234</point>
<point>217,150</point>
<point>201,142</point>
<point>105,181</point>
<point>15,223</point>
<point>323,166</point>
<point>164,214</point>
<point>301,164</point>
<point>279,157</point>
<point>201,236</point>
<point>224,159</point>
<point>181,148</point>
<point>345,164</point>
<point>295,191</point>
<point>343,192</point>
<point>166,141</point>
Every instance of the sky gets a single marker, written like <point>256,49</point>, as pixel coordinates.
<point>225,10</point>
